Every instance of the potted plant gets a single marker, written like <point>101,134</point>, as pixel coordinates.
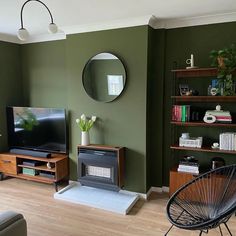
<point>225,61</point>
<point>85,125</point>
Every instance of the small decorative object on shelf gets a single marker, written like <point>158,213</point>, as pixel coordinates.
<point>50,165</point>
<point>225,61</point>
<point>217,115</point>
<point>190,62</point>
<point>85,125</point>
<point>194,142</point>
<point>215,146</point>
<point>183,89</point>
<point>217,162</point>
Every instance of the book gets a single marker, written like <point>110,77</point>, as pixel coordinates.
<point>181,113</point>
<point>29,171</point>
<point>47,174</point>
<point>193,171</point>
<point>31,163</point>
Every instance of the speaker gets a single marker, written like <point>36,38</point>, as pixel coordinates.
<point>30,153</point>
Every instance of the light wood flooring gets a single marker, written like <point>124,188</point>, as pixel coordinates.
<point>49,217</point>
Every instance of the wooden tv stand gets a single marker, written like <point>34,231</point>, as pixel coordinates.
<point>12,165</point>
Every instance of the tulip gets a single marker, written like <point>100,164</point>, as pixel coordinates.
<point>93,118</point>
<point>84,123</point>
<point>83,117</point>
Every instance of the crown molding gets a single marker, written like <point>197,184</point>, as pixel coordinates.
<point>113,24</point>
<point>44,38</point>
<point>194,21</point>
<point>150,20</point>
<point>9,38</point>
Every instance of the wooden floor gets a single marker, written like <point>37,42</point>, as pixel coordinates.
<point>49,217</point>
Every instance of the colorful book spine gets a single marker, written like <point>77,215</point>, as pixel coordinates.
<point>181,113</point>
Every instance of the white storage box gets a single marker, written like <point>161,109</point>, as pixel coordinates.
<point>191,142</point>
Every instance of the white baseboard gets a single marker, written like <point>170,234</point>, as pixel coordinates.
<point>162,189</point>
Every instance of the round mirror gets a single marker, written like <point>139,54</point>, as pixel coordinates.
<point>104,77</point>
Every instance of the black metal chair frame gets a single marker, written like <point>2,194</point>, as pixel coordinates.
<point>204,226</point>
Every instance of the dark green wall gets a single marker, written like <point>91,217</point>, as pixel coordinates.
<point>139,118</point>
<point>52,75</point>
<point>44,74</point>
<point>155,81</point>
<point>123,121</point>
<point>10,84</point>
<point>179,44</point>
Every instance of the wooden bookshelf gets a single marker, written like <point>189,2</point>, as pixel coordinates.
<point>177,179</point>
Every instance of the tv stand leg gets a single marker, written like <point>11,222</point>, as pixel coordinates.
<point>1,176</point>
<point>56,186</point>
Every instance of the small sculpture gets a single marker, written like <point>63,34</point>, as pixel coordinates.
<point>190,61</point>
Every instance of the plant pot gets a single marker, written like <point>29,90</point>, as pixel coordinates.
<point>85,138</point>
<point>221,63</point>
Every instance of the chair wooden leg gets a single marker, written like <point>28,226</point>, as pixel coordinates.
<point>220,231</point>
<point>200,233</point>
<point>228,229</point>
<point>169,230</point>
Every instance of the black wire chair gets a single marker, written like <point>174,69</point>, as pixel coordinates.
<point>205,202</point>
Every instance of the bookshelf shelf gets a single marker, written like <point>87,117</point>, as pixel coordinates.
<point>43,167</point>
<point>193,124</point>
<point>194,73</point>
<point>204,98</point>
<point>203,149</point>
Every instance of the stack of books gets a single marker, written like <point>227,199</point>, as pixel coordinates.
<point>221,116</point>
<point>228,141</point>
<point>181,113</point>
<point>189,165</point>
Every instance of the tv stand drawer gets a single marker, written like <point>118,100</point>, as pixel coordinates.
<point>8,164</point>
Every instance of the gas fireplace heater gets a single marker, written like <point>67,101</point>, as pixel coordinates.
<point>101,166</point>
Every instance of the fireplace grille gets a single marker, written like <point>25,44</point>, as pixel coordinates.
<point>98,171</point>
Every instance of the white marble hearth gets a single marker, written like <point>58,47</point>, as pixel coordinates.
<point>99,198</point>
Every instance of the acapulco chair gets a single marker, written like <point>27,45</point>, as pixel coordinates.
<point>206,202</point>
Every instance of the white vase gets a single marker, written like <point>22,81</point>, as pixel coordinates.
<point>85,138</point>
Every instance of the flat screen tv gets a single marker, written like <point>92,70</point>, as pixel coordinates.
<point>38,129</point>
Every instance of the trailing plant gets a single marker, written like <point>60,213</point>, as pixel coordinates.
<point>225,61</point>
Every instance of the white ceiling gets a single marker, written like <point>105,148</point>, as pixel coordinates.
<point>87,15</point>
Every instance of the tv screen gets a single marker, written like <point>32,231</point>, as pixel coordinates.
<point>39,129</point>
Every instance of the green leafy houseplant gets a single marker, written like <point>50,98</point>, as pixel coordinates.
<point>84,123</point>
<point>225,61</point>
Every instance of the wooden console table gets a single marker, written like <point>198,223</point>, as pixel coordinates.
<point>14,164</point>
